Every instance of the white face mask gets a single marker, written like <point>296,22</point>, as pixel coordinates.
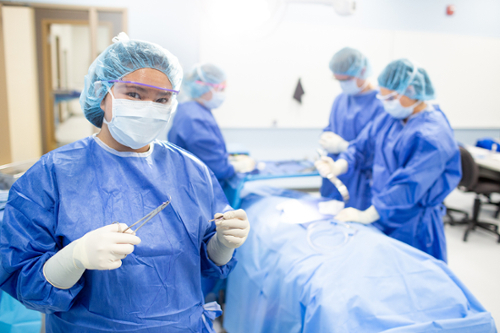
<point>218,97</point>
<point>136,124</point>
<point>350,87</point>
<point>396,110</point>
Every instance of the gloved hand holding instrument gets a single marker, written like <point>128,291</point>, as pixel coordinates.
<point>333,143</point>
<point>232,231</point>
<point>330,169</point>
<point>100,249</point>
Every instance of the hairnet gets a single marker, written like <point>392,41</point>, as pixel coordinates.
<point>119,59</point>
<point>406,78</point>
<point>208,73</point>
<point>351,62</point>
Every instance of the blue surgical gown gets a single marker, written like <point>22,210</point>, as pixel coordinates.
<point>194,128</point>
<point>415,166</point>
<point>349,115</point>
<point>87,185</point>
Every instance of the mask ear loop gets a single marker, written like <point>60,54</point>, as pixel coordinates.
<point>364,85</point>
<point>200,73</point>
<point>203,78</point>
<point>412,76</point>
<point>112,104</point>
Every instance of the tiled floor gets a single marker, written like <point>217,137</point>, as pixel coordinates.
<point>477,261</point>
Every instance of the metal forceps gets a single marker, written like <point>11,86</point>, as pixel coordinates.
<point>220,218</point>
<point>335,181</point>
<point>149,216</point>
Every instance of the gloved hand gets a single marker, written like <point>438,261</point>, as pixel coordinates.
<point>242,163</point>
<point>232,231</point>
<point>328,168</point>
<point>355,215</point>
<point>333,143</point>
<point>104,248</point>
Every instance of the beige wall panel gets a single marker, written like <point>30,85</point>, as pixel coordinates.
<point>22,81</point>
<point>5,156</point>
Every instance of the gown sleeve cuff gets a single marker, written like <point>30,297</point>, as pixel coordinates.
<point>208,267</point>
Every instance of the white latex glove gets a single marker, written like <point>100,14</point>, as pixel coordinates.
<point>328,168</point>
<point>103,248</point>
<point>355,215</point>
<point>242,163</point>
<point>232,231</point>
<point>333,143</point>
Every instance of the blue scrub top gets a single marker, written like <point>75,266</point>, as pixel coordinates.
<point>415,166</point>
<point>194,128</point>
<point>87,185</point>
<point>349,115</point>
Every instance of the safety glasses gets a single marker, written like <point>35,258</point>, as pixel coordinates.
<point>140,91</point>
<point>215,86</point>
<point>390,97</point>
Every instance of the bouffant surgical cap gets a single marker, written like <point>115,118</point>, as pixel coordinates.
<point>123,57</point>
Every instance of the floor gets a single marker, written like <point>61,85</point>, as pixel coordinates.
<point>475,262</point>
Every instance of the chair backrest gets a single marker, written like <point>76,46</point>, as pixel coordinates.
<point>470,170</point>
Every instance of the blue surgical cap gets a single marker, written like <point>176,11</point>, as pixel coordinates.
<point>208,73</point>
<point>119,59</point>
<point>407,79</point>
<point>350,62</point>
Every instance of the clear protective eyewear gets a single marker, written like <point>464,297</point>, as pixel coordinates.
<point>349,78</point>
<point>138,91</point>
<point>389,97</point>
<point>215,86</point>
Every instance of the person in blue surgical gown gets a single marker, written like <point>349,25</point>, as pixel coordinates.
<point>195,129</point>
<point>416,161</point>
<point>61,251</point>
<point>352,110</point>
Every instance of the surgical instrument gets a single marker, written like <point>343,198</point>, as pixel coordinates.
<point>335,181</point>
<point>149,216</point>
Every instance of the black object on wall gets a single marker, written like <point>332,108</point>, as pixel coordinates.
<point>299,91</point>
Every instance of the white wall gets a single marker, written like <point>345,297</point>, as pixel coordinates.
<point>174,24</point>
<point>263,65</point>
<point>263,72</point>
<point>177,26</point>
<point>22,83</point>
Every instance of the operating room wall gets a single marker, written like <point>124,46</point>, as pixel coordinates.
<point>473,19</point>
<point>291,143</point>
<point>177,26</point>
<point>299,40</point>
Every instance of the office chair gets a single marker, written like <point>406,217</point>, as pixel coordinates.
<point>483,187</point>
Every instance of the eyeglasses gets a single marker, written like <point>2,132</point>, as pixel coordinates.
<point>140,91</point>
<point>215,86</point>
<point>142,84</point>
<point>389,97</point>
